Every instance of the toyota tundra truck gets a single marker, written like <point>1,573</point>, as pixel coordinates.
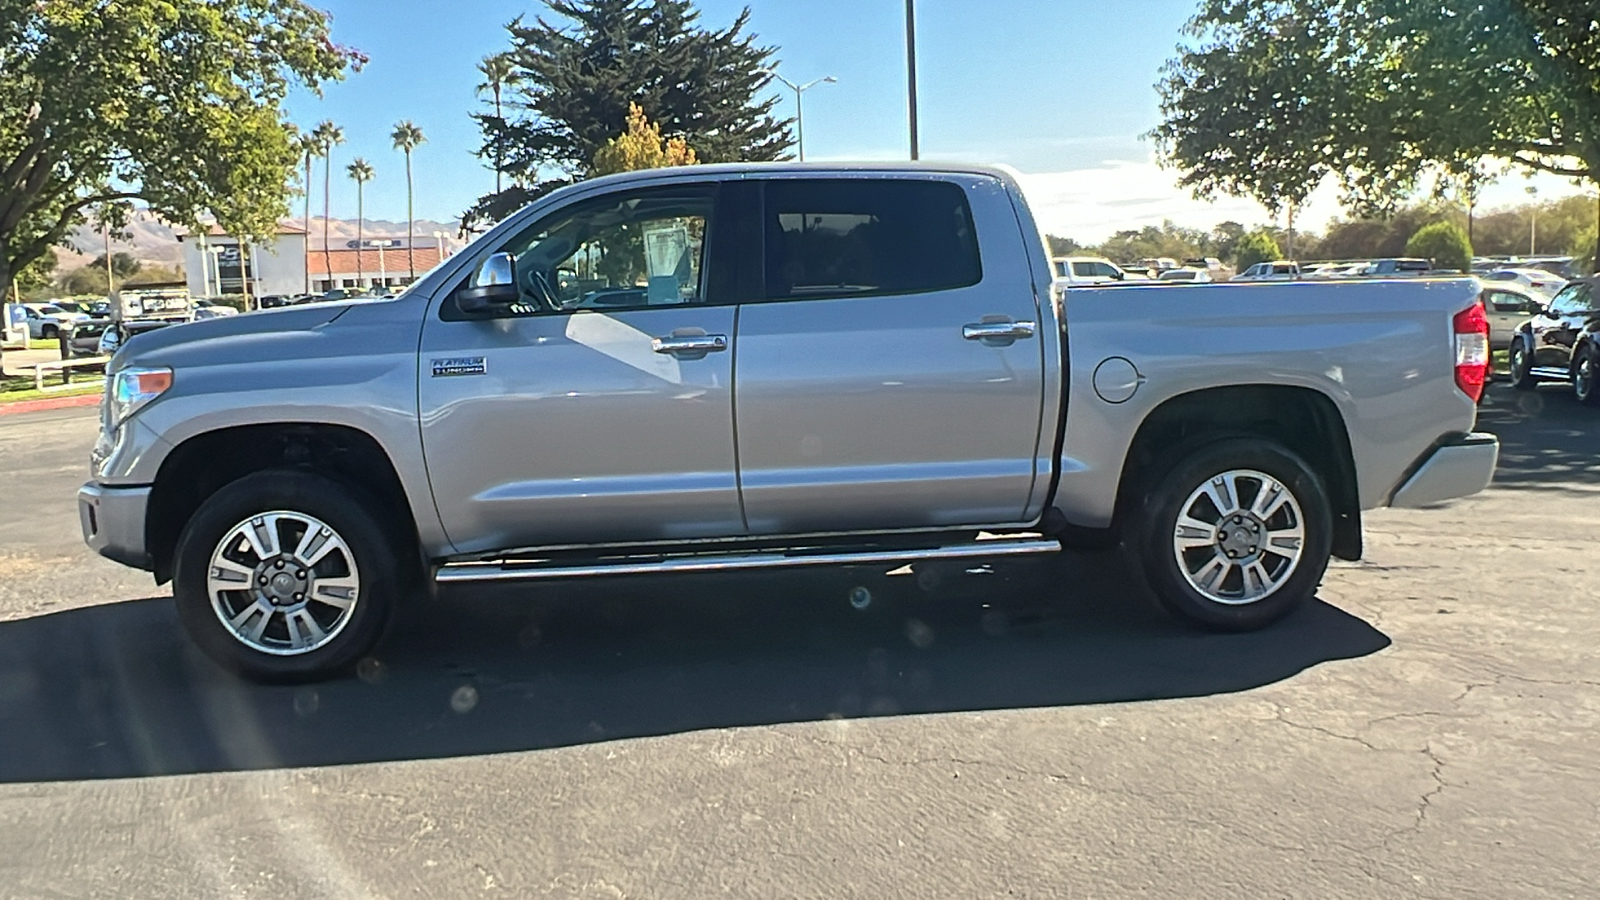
<point>713,368</point>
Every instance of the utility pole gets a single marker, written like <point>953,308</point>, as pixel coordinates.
<point>799,111</point>
<point>1533,219</point>
<point>911,72</point>
<point>105,231</point>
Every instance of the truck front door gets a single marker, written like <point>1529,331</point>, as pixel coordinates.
<point>888,374</point>
<point>599,408</point>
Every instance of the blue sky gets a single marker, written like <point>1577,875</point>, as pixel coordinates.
<point>1060,89</point>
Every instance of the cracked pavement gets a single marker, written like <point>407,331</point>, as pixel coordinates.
<point>1427,730</point>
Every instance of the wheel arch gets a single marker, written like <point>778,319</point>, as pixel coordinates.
<point>203,463</point>
<point>1302,419</point>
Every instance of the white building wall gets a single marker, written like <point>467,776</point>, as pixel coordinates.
<point>281,269</point>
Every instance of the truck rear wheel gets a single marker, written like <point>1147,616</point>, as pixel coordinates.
<point>285,576</point>
<point>1235,535</point>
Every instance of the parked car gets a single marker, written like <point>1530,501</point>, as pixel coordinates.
<point>1081,270</point>
<point>1508,308</point>
<point>900,391</point>
<point>45,320</point>
<point>1186,276</point>
<point>205,309</point>
<point>1561,343</point>
<point>1535,281</point>
<point>83,338</point>
<point>1216,268</point>
<point>1155,265</point>
<point>1397,268</point>
<point>1278,270</point>
<point>112,338</point>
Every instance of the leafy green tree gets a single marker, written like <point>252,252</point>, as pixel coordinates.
<point>574,80</point>
<point>1062,246</point>
<point>85,280</point>
<point>1443,242</point>
<point>1268,98</point>
<point>35,278</point>
<point>360,171</point>
<point>173,102</point>
<point>1257,246</point>
<point>408,137</point>
<point>123,265</point>
<point>498,73</point>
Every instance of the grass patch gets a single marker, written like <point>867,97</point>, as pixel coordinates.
<point>20,387</point>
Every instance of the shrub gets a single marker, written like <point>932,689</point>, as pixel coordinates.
<point>1444,243</point>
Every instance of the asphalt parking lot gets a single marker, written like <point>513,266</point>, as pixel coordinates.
<point>1427,730</point>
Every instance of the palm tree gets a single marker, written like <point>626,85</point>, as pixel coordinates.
<point>328,136</point>
<point>406,137</point>
<point>362,173</point>
<point>310,148</point>
<point>498,72</point>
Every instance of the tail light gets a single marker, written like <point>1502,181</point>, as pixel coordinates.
<point>1472,350</point>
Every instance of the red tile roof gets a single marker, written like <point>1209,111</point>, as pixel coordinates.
<point>343,262</point>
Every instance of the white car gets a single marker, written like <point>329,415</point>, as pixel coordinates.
<point>45,320</point>
<point>1507,307</point>
<point>1538,282</point>
<point>1277,270</point>
<point>1077,270</point>
<point>1185,276</point>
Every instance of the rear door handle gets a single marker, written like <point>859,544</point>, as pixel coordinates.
<point>997,332</point>
<point>698,344</point>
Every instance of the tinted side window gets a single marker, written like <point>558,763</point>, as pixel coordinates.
<point>844,237</point>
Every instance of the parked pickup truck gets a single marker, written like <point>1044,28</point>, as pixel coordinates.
<point>728,367</point>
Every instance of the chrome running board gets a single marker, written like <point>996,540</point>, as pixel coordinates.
<point>727,562</point>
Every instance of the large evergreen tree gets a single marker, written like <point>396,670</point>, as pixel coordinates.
<point>575,78</point>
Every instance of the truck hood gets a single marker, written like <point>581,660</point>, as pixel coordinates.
<point>235,336</point>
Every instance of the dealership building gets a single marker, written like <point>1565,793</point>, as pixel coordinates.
<point>216,264</point>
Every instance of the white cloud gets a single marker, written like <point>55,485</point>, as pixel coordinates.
<point>1089,205</point>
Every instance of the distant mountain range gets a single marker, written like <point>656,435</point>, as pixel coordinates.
<point>152,240</point>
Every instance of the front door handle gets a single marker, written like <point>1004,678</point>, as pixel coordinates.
<point>1003,332</point>
<point>699,344</point>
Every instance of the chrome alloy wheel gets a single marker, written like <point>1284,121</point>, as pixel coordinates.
<point>1239,537</point>
<point>283,583</point>
<point>1583,378</point>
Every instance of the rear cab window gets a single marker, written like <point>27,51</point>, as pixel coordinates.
<point>858,237</point>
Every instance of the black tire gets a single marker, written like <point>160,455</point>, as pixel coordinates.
<point>48,333</point>
<point>1522,367</point>
<point>1165,567</point>
<point>1585,375</point>
<point>352,517</point>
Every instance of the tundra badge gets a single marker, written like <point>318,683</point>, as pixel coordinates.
<point>459,365</point>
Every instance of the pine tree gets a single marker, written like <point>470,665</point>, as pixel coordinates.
<point>575,81</point>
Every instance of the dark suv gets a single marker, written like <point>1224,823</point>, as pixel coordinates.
<point>1562,342</point>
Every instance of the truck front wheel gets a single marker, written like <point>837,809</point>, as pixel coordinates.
<point>1236,534</point>
<point>285,576</point>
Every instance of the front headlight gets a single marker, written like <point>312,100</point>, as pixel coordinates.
<point>132,388</point>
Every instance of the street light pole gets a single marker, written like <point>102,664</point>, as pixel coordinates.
<point>799,110</point>
<point>911,72</point>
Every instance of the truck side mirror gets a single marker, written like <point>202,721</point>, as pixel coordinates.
<point>494,284</point>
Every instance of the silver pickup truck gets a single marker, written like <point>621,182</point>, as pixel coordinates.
<point>723,367</point>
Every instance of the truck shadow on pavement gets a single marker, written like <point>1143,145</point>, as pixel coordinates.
<point>115,690</point>
<point>1548,440</point>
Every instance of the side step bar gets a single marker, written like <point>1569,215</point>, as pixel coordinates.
<point>727,562</point>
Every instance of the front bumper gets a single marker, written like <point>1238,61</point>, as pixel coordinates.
<point>1456,468</point>
<point>112,519</point>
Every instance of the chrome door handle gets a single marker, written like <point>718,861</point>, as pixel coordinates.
<point>997,330</point>
<point>694,343</point>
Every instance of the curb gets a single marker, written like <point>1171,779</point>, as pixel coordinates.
<point>44,403</point>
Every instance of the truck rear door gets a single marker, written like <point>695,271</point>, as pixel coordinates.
<point>888,375</point>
